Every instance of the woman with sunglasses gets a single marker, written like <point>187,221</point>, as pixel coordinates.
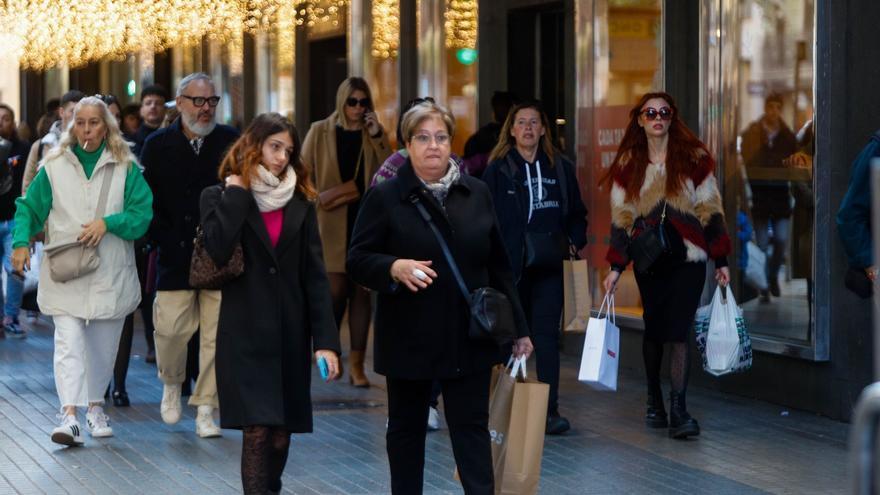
<point>662,181</point>
<point>344,151</point>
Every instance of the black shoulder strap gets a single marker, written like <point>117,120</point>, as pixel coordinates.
<point>563,186</point>
<point>415,200</point>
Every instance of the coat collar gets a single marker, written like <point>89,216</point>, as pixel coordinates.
<point>410,183</point>
<point>104,160</point>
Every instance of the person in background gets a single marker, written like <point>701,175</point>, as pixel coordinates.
<point>663,177</point>
<point>11,175</point>
<point>349,145</point>
<point>51,139</point>
<point>542,217</point>
<point>153,100</point>
<point>479,146</point>
<point>766,143</point>
<point>44,124</point>
<point>264,363</point>
<point>131,121</point>
<point>422,318</point>
<point>88,311</point>
<point>179,162</point>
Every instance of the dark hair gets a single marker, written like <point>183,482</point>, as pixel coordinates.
<point>131,109</point>
<point>110,100</point>
<point>52,105</point>
<point>773,97</point>
<point>407,108</point>
<point>247,153</point>
<point>4,106</point>
<point>72,96</point>
<point>154,90</point>
<point>632,153</point>
<point>501,103</point>
<point>506,142</point>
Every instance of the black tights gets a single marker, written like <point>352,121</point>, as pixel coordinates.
<point>679,366</point>
<point>347,293</point>
<point>263,456</point>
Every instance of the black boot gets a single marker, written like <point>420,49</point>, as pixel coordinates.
<point>681,424</point>
<point>655,417</point>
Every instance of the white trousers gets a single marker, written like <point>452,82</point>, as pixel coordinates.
<point>84,357</point>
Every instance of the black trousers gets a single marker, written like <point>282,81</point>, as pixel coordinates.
<point>542,296</point>
<point>466,404</point>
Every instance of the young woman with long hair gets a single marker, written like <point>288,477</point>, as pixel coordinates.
<point>663,178</point>
<point>279,309</point>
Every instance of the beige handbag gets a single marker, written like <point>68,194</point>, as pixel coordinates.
<point>70,260</point>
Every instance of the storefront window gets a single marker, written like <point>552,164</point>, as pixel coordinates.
<point>619,58</point>
<point>382,71</point>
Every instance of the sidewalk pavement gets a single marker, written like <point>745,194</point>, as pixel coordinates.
<point>747,447</point>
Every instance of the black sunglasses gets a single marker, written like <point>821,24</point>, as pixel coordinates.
<point>665,113</point>
<point>353,102</point>
<point>200,101</point>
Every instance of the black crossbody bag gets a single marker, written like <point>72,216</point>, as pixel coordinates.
<point>650,245</point>
<point>491,312</point>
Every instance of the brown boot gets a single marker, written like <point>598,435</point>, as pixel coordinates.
<point>356,369</point>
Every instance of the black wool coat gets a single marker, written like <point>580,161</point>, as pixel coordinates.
<point>424,335</point>
<point>177,176</point>
<point>273,316</point>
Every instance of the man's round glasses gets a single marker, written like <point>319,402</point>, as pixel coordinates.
<point>200,101</point>
<point>665,113</point>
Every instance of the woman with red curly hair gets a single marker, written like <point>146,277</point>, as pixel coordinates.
<point>279,309</point>
<point>662,182</point>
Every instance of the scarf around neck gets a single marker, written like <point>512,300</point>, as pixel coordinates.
<point>270,192</point>
<point>440,189</point>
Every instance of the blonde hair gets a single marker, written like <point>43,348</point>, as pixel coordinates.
<point>115,144</point>
<point>421,112</point>
<point>346,88</point>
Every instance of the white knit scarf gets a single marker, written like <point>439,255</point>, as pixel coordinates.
<point>270,192</point>
<point>440,189</point>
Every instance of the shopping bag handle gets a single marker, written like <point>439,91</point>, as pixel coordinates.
<point>519,364</point>
<point>611,311</point>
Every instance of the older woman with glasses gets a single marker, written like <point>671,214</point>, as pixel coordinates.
<point>89,194</point>
<point>422,318</point>
<point>344,151</point>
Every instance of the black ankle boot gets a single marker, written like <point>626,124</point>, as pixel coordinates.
<point>655,417</point>
<point>681,424</point>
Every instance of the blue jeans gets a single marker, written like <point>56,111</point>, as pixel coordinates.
<point>14,286</point>
<point>778,241</point>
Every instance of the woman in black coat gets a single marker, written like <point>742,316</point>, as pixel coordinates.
<point>279,309</point>
<point>422,316</point>
<point>539,223</point>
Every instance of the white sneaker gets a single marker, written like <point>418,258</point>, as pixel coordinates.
<point>433,419</point>
<point>205,427</point>
<point>170,408</point>
<point>98,423</point>
<point>68,432</point>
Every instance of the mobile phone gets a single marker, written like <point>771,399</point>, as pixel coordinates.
<point>322,367</point>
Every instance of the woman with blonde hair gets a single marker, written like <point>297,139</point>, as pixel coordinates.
<point>279,309</point>
<point>344,151</point>
<point>90,194</point>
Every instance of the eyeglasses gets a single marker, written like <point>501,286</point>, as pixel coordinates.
<point>353,102</point>
<point>425,139</point>
<point>200,101</point>
<point>665,113</point>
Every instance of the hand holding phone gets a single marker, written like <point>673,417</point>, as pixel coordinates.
<point>322,367</point>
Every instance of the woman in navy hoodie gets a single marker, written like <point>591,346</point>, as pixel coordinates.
<point>542,216</point>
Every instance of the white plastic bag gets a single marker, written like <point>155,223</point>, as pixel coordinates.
<point>756,266</point>
<point>32,276</point>
<point>601,355</point>
<point>722,341</point>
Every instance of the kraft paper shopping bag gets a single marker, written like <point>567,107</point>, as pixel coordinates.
<point>577,295</point>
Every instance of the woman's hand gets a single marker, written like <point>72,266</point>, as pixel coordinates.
<point>523,347</point>
<point>235,180</point>
<point>722,276</point>
<point>610,282</point>
<point>415,275</point>
<point>372,124</point>
<point>93,232</point>
<point>332,363</point>
<point>21,259</point>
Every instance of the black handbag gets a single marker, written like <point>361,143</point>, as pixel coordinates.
<point>650,245</point>
<point>545,249</point>
<point>491,312</point>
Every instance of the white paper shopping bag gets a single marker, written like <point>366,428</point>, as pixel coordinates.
<point>601,355</point>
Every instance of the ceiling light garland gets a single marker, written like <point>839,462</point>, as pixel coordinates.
<point>461,24</point>
<point>386,28</point>
<point>48,33</point>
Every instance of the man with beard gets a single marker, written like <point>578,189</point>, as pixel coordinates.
<point>179,162</point>
<point>153,99</point>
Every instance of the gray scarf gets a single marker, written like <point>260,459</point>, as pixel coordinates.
<point>440,189</point>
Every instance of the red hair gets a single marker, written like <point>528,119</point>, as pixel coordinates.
<point>683,154</point>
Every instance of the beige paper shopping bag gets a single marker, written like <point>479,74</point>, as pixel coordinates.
<point>519,472</point>
<point>577,295</point>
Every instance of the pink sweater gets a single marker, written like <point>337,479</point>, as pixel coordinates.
<point>273,220</point>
